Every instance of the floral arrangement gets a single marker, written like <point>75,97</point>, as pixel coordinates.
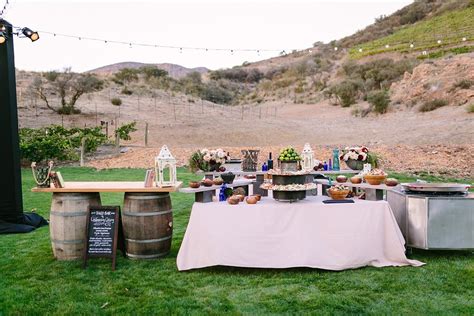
<point>208,160</point>
<point>359,154</point>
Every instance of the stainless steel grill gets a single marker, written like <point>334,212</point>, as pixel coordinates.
<point>434,219</point>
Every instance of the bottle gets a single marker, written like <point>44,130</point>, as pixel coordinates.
<point>222,193</point>
<point>270,161</point>
<point>335,159</point>
<point>264,167</point>
<point>325,166</point>
<point>330,165</point>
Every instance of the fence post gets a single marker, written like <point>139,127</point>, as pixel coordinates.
<point>242,113</point>
<point>146,134</point>
<point>117,142</point>
<point>83,149</point>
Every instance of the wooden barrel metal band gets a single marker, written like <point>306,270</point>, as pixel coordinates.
<point>144,197</point>
<point>68,214</point>
<point>158,255</point>
<point>68,242</point>
<point>146,213</point>
<point>148,241</point>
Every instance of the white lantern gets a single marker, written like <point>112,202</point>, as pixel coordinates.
<point>165,160</point>
<point>307,158</point>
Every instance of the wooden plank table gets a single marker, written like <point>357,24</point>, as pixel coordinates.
<point>260,176</point>
<point>150,207</point>
<point>107,186</point>
<point>204,194</point>
<point>372,192</point>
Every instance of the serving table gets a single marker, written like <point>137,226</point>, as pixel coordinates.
<point>308,233</point>
<point>372,192</point>
<point>147,217</point>
<point>260,176</point>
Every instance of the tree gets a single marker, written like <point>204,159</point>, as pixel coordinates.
<point>152,72</point>
<point>126,75</point>
<point>66,85</point>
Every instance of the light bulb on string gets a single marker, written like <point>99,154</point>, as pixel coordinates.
<point>439,42</point>
<point>411,45</point>
<point>387,46</point>
<point>180,50</point>
<point>464,39</point>
<point>360,50</point>
<point>335,48</point>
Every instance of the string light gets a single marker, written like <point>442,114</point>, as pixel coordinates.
<point>387,46</point>
<point>411,45</point>
<point>180,48</point>
<point>4,8</point>
<point>335,48</point>
<point>464,39</point>
<point>439,42</point>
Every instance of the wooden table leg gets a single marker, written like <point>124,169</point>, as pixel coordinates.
<point>204,197</point>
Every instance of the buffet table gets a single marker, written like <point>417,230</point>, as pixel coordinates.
<point>309,233</point>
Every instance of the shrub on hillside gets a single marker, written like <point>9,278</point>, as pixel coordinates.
<point>126,91</point>
<point>379,100</point>
<point>470,108</point>
<point>345,92</point>
<point>116,101</point>
<point>433,105</point>
<point>464,84</point>
<point>237,75</point>
<point>214,93</point>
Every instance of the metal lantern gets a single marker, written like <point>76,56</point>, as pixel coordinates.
<point>307,158</point>
<point>163,161</point>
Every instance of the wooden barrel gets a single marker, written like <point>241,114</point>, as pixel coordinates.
<point>68,223</point>
<point>147,225</point>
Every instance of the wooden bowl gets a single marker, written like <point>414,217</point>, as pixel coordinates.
<point>338,195</point>
<point>374,180</point>
<point>391,182</point>
<point>341,179</point>
<point>240,197</point>
<point>194,184</point>
<point>218,181</point>
<point>251,200</point>
<point>207,182</point>
<point>233,200</point>
<point>356,180</point>
<point>258,197</point>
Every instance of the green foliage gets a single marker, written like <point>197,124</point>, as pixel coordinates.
<point>124,131</point>
<point>152,72</point>
<point>57,142</point>
<point>116,101</point>
<point>433,105</point>
<point>68,86</point>
<point>238,75</point>
<point>450,27</point>
<point>379,99</point>
<point>126,91</point>
<point>127,75</point>
<point>345,92</point>
<point>215,93</point>
<point>470,108</point>
<point>464,84</point>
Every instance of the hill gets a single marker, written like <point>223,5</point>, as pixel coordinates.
<point>174,71</point>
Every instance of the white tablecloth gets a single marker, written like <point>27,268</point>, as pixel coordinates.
<point>308,233</point>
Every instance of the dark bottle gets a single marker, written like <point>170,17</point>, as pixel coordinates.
<point>264,167</point>
<point>270,161</point>
<point>325,166</point>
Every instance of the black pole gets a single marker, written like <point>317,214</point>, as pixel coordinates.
<point>11,203</point>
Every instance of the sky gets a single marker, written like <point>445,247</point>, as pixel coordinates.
<point>228,24</point>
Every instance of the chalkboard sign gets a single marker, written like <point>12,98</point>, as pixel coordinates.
<point>102,233</point>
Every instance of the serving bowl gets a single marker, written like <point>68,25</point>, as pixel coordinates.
<point>374,179</point>
<point>194,184</point>
<point>228,177</point>
<point>337,194</point>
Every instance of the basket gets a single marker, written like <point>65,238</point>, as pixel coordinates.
<point>374,179</point>
<point>355,164</point>
<point>338,195</point>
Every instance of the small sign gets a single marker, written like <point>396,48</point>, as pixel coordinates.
<point>102,233</point>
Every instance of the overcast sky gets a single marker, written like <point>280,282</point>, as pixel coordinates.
<point>230,24</point>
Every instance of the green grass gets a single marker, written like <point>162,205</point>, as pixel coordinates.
<point>450,28</point>
<point>32,282</point>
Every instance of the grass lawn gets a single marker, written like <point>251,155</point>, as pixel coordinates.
<point>32,282</point>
